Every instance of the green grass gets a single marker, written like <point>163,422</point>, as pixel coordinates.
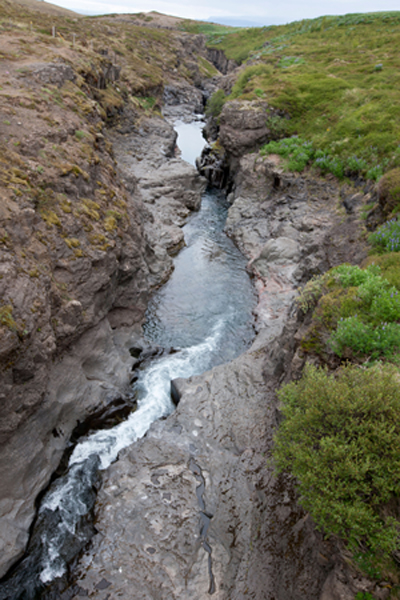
<point>208,29</point>
<point>338,78</point>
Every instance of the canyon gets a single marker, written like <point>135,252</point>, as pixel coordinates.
<point>192,509</point>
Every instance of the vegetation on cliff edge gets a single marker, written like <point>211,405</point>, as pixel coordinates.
<point>338,78</point>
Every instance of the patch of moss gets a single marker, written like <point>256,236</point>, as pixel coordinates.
<point>6,318</point>
<point>97,239</point>
<point>72,242</point>
<point>110,223</point>
<point>389,191</point>
<point>65,205</point>
<point>66,169</point>
<point>50,217</point>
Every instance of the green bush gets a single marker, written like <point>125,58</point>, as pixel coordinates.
<point>373,329</point>
<point>329,164</point>
<point>365,339</point>
<point>364,596</point>
<point>357,311</point>
<point>277,126</point>
<point>340,438</point>
<point>299,152</point>
<point>215,104</point>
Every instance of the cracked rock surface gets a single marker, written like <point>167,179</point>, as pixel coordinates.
<point>150,516</point>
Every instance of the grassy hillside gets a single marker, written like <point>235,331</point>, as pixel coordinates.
<point>338,78</point>
<point>47,8</point>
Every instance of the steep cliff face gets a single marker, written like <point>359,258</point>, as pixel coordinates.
<point>79,250</point>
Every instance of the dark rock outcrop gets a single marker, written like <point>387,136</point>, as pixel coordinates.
<point>218,59</point>
<point>244,126</point>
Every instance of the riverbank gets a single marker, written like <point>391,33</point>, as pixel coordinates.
<point>79,253</point>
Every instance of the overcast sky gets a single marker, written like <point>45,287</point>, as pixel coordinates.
<point>265,12</point>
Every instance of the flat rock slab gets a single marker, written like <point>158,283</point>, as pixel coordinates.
<point>153,540</point>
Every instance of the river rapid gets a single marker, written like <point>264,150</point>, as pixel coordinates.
<point>204,313</point>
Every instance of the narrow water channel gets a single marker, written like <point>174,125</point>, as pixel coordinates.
<point>204,312</point>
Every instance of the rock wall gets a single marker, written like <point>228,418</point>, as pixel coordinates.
<point>72,356</point>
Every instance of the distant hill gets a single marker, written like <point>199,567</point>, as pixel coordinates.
<point>244,21</point>
<point>46,7</point>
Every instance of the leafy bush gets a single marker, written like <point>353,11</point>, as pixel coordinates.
<point>330,164</point>
<point>357,314</point>
<point>355,165</point>
<point>365,338</point>
<point>389,265</point>
<point>341,439</point>
<point>387,237</point>
<point>277,126</point>
<point>299,152</point>
<point>364,596</point>
<point>374,329</point>
<point>215,104</point>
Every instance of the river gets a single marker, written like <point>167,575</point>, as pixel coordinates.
<point>204,312</point>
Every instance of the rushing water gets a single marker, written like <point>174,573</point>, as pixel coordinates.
<point>205,313</point>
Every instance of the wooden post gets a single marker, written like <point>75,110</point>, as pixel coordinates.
<point>53,31</point>
<point>73,39</point>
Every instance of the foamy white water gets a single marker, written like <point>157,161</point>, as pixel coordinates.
<point>154,386</point>
<point>155,401</point>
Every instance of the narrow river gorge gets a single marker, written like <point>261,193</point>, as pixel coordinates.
<point>201,317</point>
<point>184,503</point>
<point>159,280</point>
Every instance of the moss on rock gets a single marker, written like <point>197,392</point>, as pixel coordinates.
<point>389,191</point>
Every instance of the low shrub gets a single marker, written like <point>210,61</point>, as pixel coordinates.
<point>357,315</point>
<point>215,104</point>
<point>387,237</point>
<point>341,439</point>
<point>373,330</point>
<point>300,153</point>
